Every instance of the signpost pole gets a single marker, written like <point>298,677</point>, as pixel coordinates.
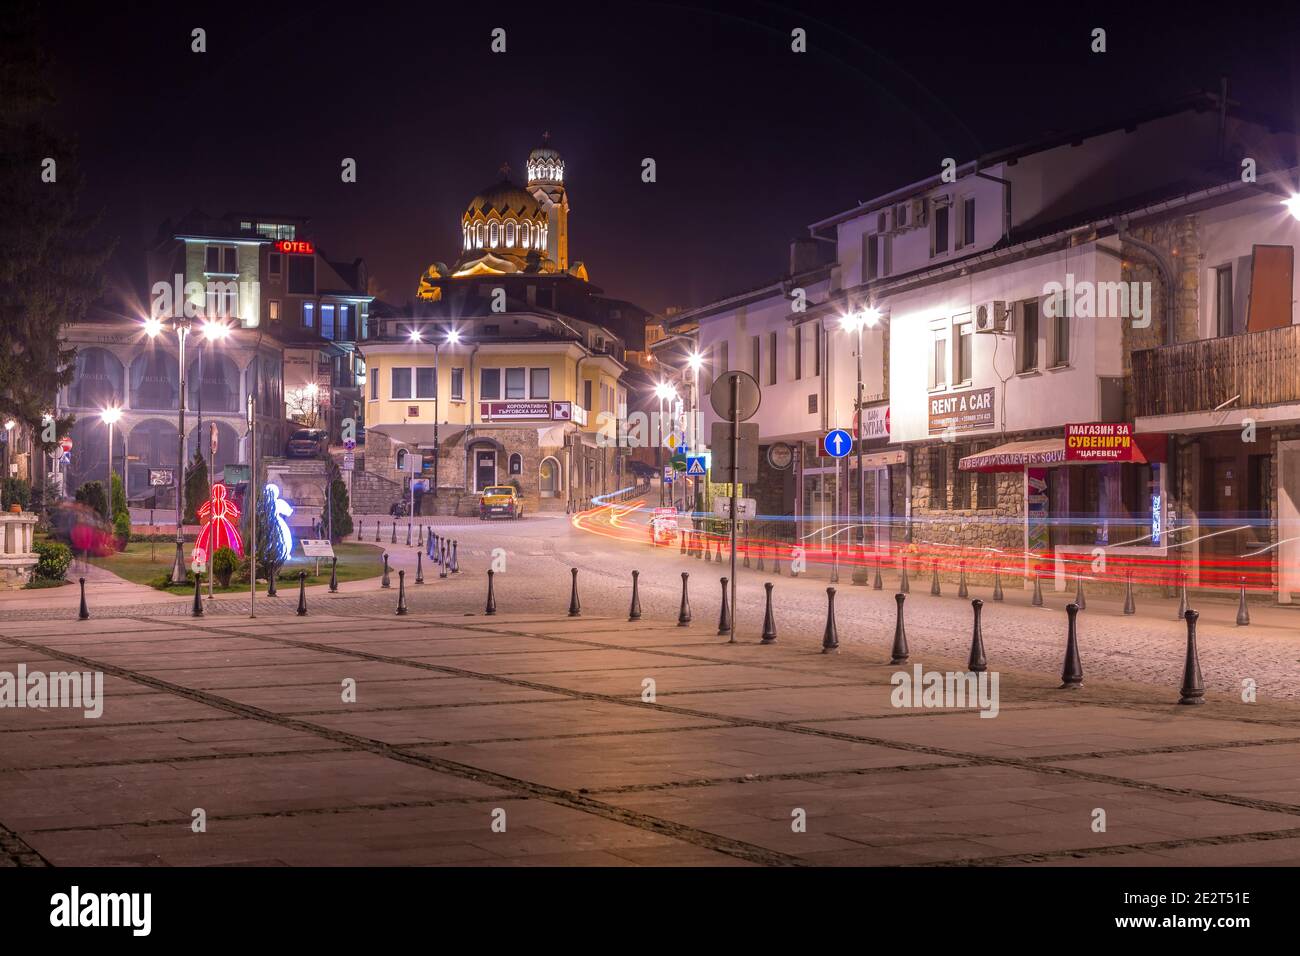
<point>212,458</point>
<point>251,501</point>
<point>735,479</point>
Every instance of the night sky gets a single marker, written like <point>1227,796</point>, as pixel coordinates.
<point>752,142</point>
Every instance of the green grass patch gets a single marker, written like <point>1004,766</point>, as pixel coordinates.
<point>143,563</point>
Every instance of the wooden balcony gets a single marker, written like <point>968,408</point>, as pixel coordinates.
<point>1258,368</point>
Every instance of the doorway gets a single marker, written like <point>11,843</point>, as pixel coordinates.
<point>485,469</point>
<point>550,478</point>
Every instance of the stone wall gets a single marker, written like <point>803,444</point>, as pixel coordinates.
<point>934,521</point>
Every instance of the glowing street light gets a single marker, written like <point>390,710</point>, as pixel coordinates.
<point>1293,205</point>
<point>110,416</point>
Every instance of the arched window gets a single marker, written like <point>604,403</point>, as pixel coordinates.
<point>98,380</point>
<point>550,478</point>
<point>516,464</point>
<point>510,233</point>
<point>478,235</point>
<point>545,237</point>
<point>492,234</point>
<point>525,231</point>
<point>465,230</point>
<point>401,459</point>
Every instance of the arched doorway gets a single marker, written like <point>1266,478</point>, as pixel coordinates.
<point>549,475</point>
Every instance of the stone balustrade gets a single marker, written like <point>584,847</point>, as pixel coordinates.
<point>17,559</point>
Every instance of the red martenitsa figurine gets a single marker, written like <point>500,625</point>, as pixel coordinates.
<point>219,516</point>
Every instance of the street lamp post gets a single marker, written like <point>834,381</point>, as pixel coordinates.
<point>9,440</point>
<point>109,416</point>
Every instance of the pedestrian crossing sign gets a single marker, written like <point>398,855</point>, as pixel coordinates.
<point>695,466</point>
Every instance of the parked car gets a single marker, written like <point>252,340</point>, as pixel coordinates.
<point>500,501</point>
<point>307,443</point>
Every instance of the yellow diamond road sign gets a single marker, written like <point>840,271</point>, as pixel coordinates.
<point>672,441</point>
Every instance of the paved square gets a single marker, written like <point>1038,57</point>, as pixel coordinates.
<point>459,739</point>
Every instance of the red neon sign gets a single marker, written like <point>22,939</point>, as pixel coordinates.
<point>295,247</point>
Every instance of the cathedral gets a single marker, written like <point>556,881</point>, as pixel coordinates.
<point>511,229</point>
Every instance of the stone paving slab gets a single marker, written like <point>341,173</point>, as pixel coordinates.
<point>543,716</point>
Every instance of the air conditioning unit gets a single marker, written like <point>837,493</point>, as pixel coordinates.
<point>992,317</point>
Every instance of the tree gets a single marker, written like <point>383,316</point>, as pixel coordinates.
<point>119,498</point>
<point>338,508</point>
<point>51,269</point>
<point>91,494</point>
<point>196,487</point>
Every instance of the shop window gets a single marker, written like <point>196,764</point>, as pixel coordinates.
<point>938,478</point>
<point>986,491</point>
<point>961,483</point>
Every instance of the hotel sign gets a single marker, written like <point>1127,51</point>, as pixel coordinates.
<point>1101,442</point>
<point>961,411</point>
<point>295,247</point>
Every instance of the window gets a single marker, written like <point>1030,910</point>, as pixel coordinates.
<point>401,379</point>
<point>798,352</point>
<point>426,383</point>
<point>539,383</point>
<point>756,345</point>
<point>458,385</point>
<point>401,459</point>
<point>817,348</point>
<point>939,233</point>
<point>938,478</point>
<point>510,234</point>
<point>516,464</point>
<point>961,483</point>
<point>812,403</point>
<point>273,310</point>
<point>938,358</point>
<point>309,315</point>
<point>515,387</point>
<point>345,320</point>
<point>870,257</point>
<point>1060,338</point>
<point>221,260</point>
<point>986,491</point>
<point>771,358</point>
<point>490,384</point>
<point>966,228</point>
<point>1027,337</point>
<point>374,383</point>
<point>302,275</point>
<point>275,265</point>
<point>963,348</point>
<point>586,394</point>
<point>886,255</point>
<point>1223,300</point>
<point>492,234</point>
<point>327,320</point>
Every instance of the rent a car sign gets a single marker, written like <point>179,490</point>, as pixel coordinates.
<point>1099,442</point>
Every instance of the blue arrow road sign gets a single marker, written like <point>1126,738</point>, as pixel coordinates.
<point>695,465</point>
<point>837,443</point>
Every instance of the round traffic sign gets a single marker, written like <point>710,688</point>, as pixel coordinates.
<point>721,392</point>
<point>779,455</point>
<point>66,445</point>
<point>837,443</point>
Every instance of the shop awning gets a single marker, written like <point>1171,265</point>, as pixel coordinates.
<point>1050,453</point>
<point>418,436</point>
<point>1015,455</point>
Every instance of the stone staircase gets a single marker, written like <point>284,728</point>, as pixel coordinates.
<point>373,494</point>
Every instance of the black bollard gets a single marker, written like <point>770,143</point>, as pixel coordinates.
<point>997,582</point>
<point>708,551</point>
<point>769,620</point>
<point>1079,599</point>
<point>898,654</point>
<point>977,663</point>
<point>334,575</point>
<point>830,636</point>
<point>302,593</point>
<point>376,531</point>
<point>1243,614</point>
<point>835,565</point>
<point>903,584</point>
<point>1193,689</point>
<point>746,554</point>
<point>760,566</point>
<point>934,579</point>
<point>419,567</point>
<point>1072,669</point>
<point>491,598</point>
<point>270,583</point>
<point>575,608</point>
<point>394,541</point>
<point>1182,600</point>
<point>876,583</point>
<point>684,613</point>
<point>776,561</point>
<point>1038,589</point>
<point>717,556</point>
<point>84,612</point>
<point>401,592</point>
<point>383,582</point>
<point>408,534</point>
<point>197,610</point>
<point>360,524</point>
<point>419,537</point>
<point>635,613</point>
<point>724,615</point>
<point>681,540</point>
<point>962,590</point>
<point>442,558</point>
<point>1129,606</point>
<point>455,565</point>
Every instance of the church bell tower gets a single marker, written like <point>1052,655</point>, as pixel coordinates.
<point>546,184</point>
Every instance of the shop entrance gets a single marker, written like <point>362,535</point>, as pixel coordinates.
<point>485,469</point>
